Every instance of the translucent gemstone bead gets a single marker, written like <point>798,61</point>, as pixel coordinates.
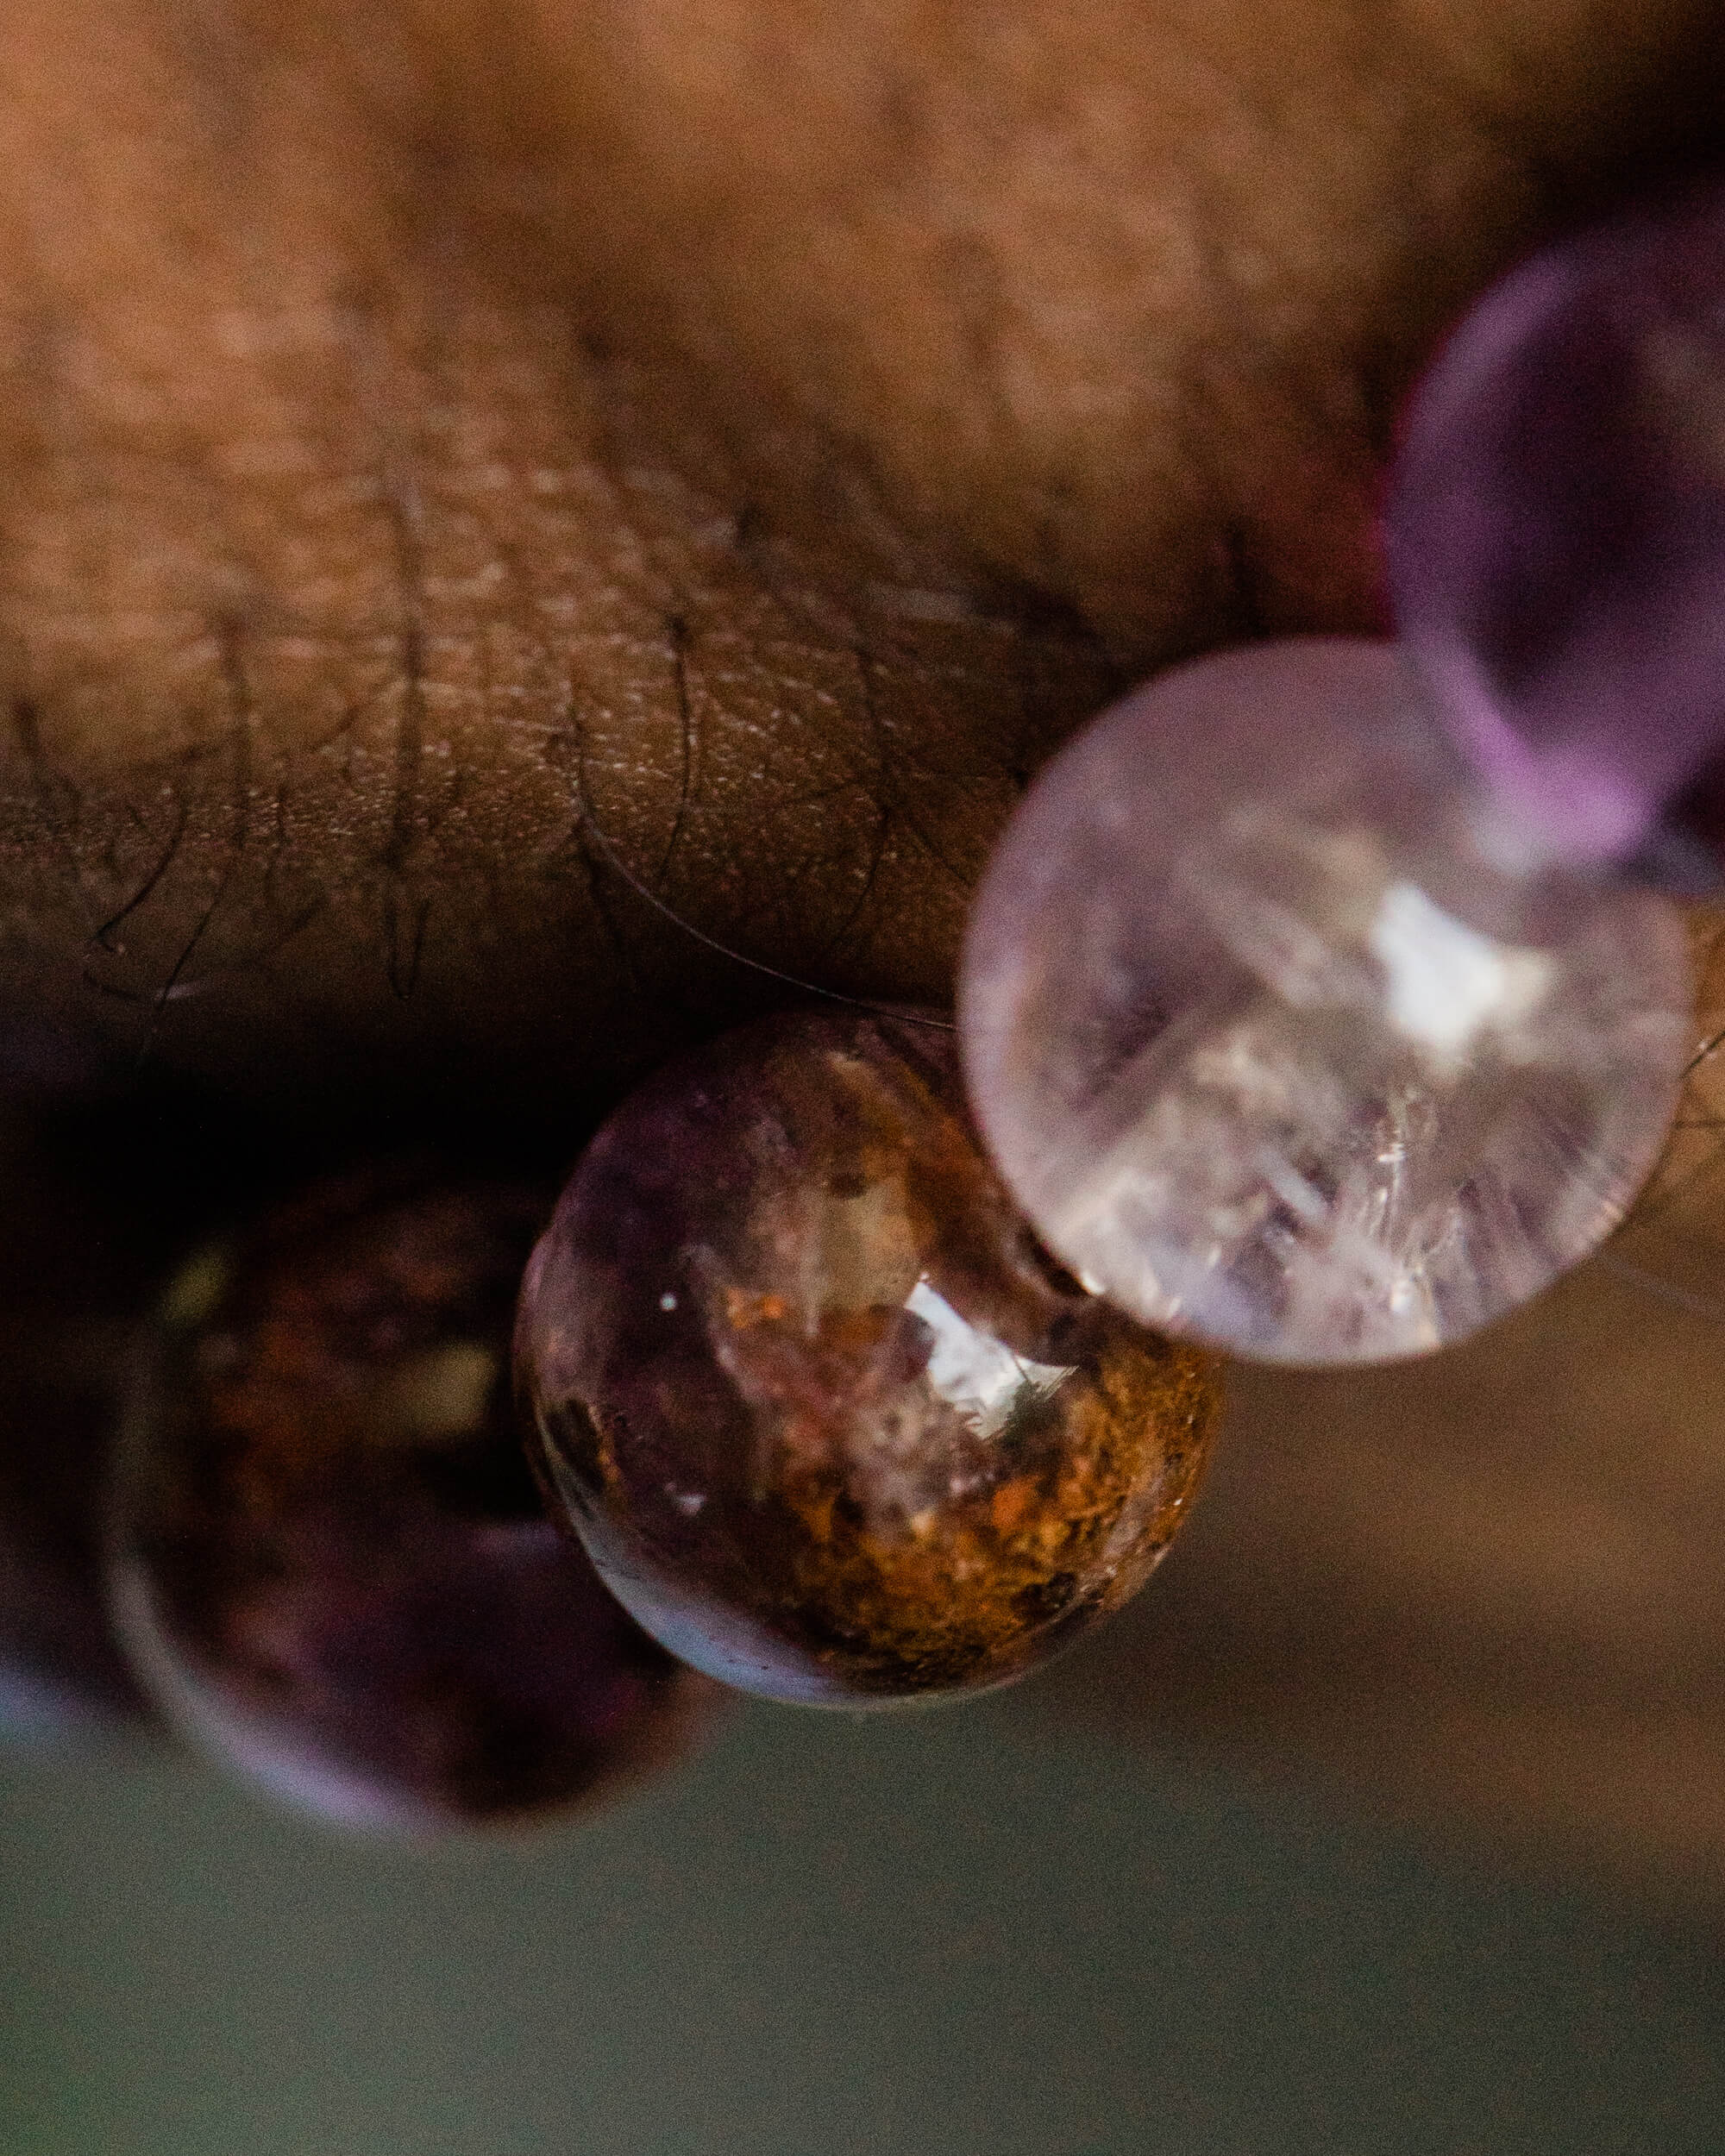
<point>1270,1047</point>
<point>829,1420</point>
<point>1556,532</point>
<point>333,1567</point>
<point>71,1277</point>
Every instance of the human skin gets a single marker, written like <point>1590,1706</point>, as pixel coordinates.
<point>459,459</point>
<point>498,501</point>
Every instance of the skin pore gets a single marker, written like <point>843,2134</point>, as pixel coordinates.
<point>496,500</point>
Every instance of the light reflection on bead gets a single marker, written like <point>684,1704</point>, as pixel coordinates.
<point>829,1421</point>
<point>330,1564</point>
<point>1277,1043</point>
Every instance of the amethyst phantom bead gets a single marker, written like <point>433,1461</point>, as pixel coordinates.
<point>1274,1049</point>
<point>1555,534</point>
<point>828,1419</point>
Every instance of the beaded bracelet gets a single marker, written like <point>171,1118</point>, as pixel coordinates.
<point>1315,1005</point>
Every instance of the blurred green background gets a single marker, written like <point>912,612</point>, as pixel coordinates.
<point>951,1933</point>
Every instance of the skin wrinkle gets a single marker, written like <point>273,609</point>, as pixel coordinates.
<point>787,428</point>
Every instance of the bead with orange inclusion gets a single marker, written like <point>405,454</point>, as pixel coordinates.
<point>831,1423</point>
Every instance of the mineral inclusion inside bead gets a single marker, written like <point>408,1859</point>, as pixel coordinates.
<point>71,1261</point>
<point>829,1420</point>
<point>1277,1042</point>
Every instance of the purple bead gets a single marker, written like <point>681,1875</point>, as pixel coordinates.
<point>332,1566</point>
<point>1556,533</point>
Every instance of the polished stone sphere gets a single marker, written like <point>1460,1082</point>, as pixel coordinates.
<point>1280,1043</point>
<point>331,1564</point>
<point>1555,533</point>
<point>829,1422</point>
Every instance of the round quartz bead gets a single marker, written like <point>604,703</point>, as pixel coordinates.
<point>1556,537</point>
<point>827,1417</point>
<point>331,1564</point>
<point>1270,1048</point>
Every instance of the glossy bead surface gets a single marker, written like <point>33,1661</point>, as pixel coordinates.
<point>827,1418</point>
<point>331,1564</point>
<point>1556,532</point>
<point>1273,1050</point>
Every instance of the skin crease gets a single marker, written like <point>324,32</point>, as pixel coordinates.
<point>467,467</point>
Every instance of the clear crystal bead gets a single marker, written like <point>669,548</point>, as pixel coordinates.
<point>1281,1045</point>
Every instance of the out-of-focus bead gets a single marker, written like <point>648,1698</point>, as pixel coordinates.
<point>330,1562</point>
<point>1556,536</point>
<point>829,1420</point>
<point>1276,1047</point>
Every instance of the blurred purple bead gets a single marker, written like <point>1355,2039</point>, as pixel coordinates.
<point>1556,536</point>
<point>329,1562</point>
